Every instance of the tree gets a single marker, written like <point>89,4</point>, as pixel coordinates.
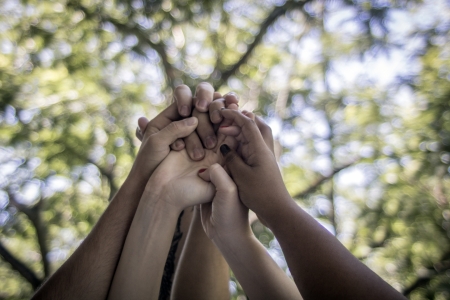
<point>356,92</point>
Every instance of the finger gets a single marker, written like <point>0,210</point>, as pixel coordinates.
<point>234,163</point>
<point>217,95</point>
<point>230,130</point>
<point>266,133</point>
<point>221,180</point>
<point>177,145</point>
<point>204,94</point>
<point>249,114</point>
<point>214,110</point>
<point>176,130</point>
<point>231,98</point>
<point>142,125</point>
<point>194,147</point>
<point>205,130</point>
<point>204,174</point>
<point>248,127</point>
<point>183,99</point>
<point>166,117</point>
<point>139,134</point>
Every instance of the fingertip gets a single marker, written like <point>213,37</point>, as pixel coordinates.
<point>142,123</point>
<point>178,145</point>
<point>203,173</point>
<point>191,121</point>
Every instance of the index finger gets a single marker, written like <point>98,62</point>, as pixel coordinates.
<point>248,127</point>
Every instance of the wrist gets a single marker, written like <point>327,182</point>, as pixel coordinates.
<point>282,211</point>
<point>157,198</point>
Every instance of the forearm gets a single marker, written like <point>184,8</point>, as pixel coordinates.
<point>256,271</point>
<point>87,274</point>
<point>321,266</point>
<point>202,272</point>
<point>141,264</point>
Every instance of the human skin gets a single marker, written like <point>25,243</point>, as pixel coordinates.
<point>225,221</point>
<point>202,272</point>
<point>321,266</point>
<point>205,106</point>
<point>173,186</point>
<point>88,273</point>
<point>196,257</point>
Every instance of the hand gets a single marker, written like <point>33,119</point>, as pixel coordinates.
<point>157,136</point>
<point>226,216</point>
<point>205,136</point>
<point>253,167</point>
<point>176,182</point>
<point>208,124</point>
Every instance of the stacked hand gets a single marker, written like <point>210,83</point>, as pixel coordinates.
<point>185,162</point>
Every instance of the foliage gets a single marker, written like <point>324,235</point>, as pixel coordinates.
<point>356,92</point>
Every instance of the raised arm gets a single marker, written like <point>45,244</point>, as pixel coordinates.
<point>173,187</point>
<point>87,274</point>
<point>225,221</point>
<point>321,266</point>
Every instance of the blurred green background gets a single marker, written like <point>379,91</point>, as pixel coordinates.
<point>357,94</point>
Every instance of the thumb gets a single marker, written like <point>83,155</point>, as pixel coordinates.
<point>234,162</point>
<point>177,129</point>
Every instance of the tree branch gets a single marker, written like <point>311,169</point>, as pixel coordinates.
<point>433,271</point>
<point>34,215</point>
<point>20,267</point>
<point>109,176</point>
<point>271,18</point>
<point>142,35</point>
<point>321,180</point>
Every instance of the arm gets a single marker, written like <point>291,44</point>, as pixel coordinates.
<point>202,272</point>
<point>321,266</point>
<point>87,274</point>
<point>173,187</point>
<point>226,222</point>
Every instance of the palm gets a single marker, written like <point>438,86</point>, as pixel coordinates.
<point>177,175</point>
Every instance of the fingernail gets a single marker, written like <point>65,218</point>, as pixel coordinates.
<point>191,121</point>
<point>201,171</point>
<point>224,149</point>
<point>184,111</point>
<point>139,130</point>
<point>210,142</point>
<point>222,108</point>
<point>198,154</point>
<point>202,104</point>
<point>215,116</point>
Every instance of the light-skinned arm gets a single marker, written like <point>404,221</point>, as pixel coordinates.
<point>202,272</point>
<point>173,186</point>
<point>225,221</point>
<point>321,266</point>
<point>88,273</point>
